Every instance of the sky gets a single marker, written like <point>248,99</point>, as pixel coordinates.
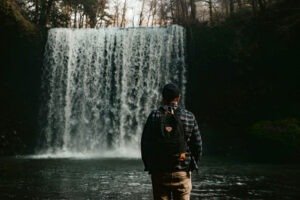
<point>133,10</point>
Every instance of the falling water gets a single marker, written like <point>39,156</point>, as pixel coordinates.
<point>102,83</point>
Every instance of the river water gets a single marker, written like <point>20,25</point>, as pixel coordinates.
<point>124,179</point>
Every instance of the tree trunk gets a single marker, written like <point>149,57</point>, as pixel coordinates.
<point>124,14</point>
<point>85,21</point>
<point>75,19</point>
<point>231,7</point>
<point>80,20</point>
<point>48,10</point>
<point>173,16</point>
<point>193,11</point>
<point>210,7</point>
<point>142,14</point>
<point>43,13</point>
<point>37,11</point>
<point>176,12</point>
<point>225,5</point>
<point>150,12</point>
<point>154,12</point>
<point>254,6</point>
<point>162,13</point>
<point>239,2</point>
<point>93,20</point>
<point>46,7</point>
<point>183,15</point>
<point>116,17</point>
<point>262,5</point>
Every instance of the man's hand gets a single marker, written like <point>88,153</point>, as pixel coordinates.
<point>182,156</point>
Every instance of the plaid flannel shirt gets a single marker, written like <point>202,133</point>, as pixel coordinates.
<point>192,136</point>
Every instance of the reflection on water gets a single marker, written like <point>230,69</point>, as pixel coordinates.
<point>125,179</point>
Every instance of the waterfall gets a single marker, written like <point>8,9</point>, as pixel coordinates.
<point>101,84</point>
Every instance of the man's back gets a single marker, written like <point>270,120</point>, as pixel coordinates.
<point>191,133</point>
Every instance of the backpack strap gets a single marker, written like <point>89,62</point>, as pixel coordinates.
<point>163,117</point>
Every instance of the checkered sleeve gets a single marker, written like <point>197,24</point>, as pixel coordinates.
<point>196,142</point>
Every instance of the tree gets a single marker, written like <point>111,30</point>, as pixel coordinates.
<point>46,6</point>
<point>142,13</point>
<point>193,11</point>
<point>123,20</point>
<point>116,14</point>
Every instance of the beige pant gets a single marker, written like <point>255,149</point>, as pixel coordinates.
<point>167,185</point>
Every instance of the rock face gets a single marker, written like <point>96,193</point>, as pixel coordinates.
<point>20,56</point>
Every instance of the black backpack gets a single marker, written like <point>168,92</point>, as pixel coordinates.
<point>169,138</point>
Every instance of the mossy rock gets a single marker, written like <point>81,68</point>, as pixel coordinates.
<point>277,139</point>
<point>286,132</point>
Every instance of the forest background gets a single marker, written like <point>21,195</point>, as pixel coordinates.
<point>242,59</point>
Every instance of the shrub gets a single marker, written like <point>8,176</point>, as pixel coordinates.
<point>278,139</point>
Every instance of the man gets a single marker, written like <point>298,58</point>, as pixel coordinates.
<point>166,156</point>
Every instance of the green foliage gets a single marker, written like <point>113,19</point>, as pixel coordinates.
<point>11,18</point>
<point>242,71</point>
<point>277,140</point>
<point>284,132</point>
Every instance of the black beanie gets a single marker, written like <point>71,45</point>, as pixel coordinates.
<point>170,92</point>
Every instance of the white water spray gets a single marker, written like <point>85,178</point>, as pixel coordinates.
<point>102,83</point>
